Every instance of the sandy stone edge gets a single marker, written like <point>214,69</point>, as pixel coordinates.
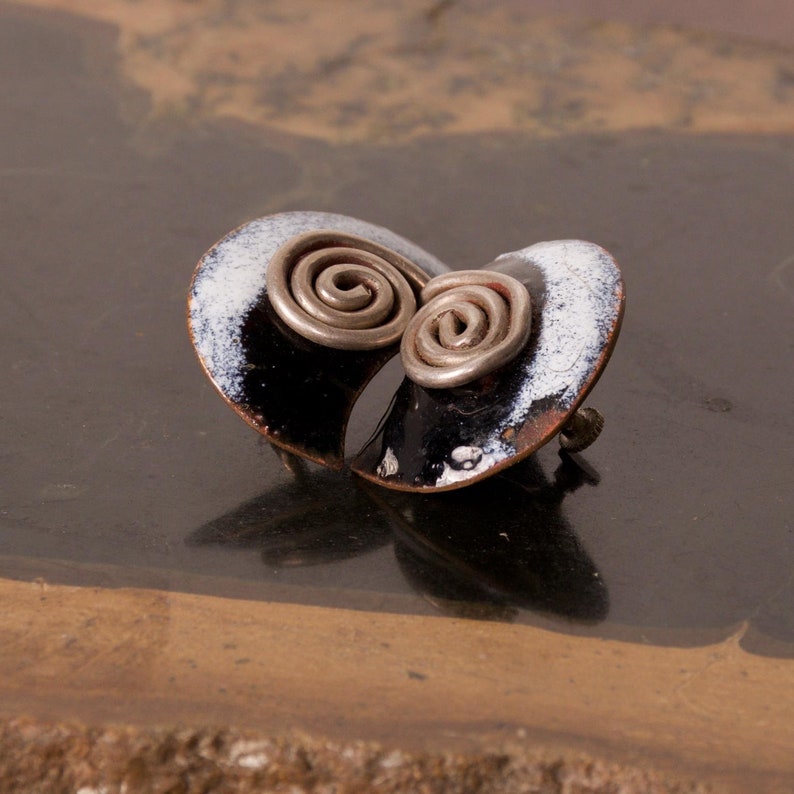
<point>69,757</point>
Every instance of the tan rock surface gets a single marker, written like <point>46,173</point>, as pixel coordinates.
<point>380,71</point>
<point>152,658</point>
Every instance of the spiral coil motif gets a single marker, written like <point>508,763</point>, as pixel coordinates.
<point>471,323</point>
<point>343,291</point>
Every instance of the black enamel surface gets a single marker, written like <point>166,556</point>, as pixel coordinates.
<point>295,391</point>
<point>423,427</point>
<point>299,392</point>
<point>450,438</point>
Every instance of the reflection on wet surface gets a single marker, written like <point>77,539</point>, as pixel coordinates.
<point>480,552</point>
<point>318,517</point>
<point>501,545</point>
<point>113,449</point>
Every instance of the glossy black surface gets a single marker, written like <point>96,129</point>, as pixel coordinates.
<point>302,392</point>
<point>315,517</point>
<point>450,438</point>
<point>115,451</point>
<point>424,426</point>
<point>448,547</point>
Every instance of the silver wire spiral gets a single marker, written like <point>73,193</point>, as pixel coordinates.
<point>471,323</point>
<point>343,291</point>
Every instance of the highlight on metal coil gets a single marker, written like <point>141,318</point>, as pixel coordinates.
<point>471,323</point>
<point>343,291</point>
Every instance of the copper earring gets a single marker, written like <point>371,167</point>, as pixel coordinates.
<point>296,312</point>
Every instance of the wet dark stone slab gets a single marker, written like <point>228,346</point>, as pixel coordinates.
<point>115,451</point>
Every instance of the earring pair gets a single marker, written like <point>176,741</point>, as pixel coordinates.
<point>293,314</point>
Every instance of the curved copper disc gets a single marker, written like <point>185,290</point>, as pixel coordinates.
<point>297,393</point>
<point>440,439</point>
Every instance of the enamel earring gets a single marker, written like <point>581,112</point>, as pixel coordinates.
<point>293,314</point>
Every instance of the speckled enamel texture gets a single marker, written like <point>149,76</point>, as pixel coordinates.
<point>230,280</point>
<point>300,393</point>
<point>444,439</point>
<point>297,393</point>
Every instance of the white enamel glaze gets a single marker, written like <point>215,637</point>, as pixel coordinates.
<point>230,280</point>
<point>389,465</point>
<point>579,312</point>
<point>581,308</point>
<point>456,472</point>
